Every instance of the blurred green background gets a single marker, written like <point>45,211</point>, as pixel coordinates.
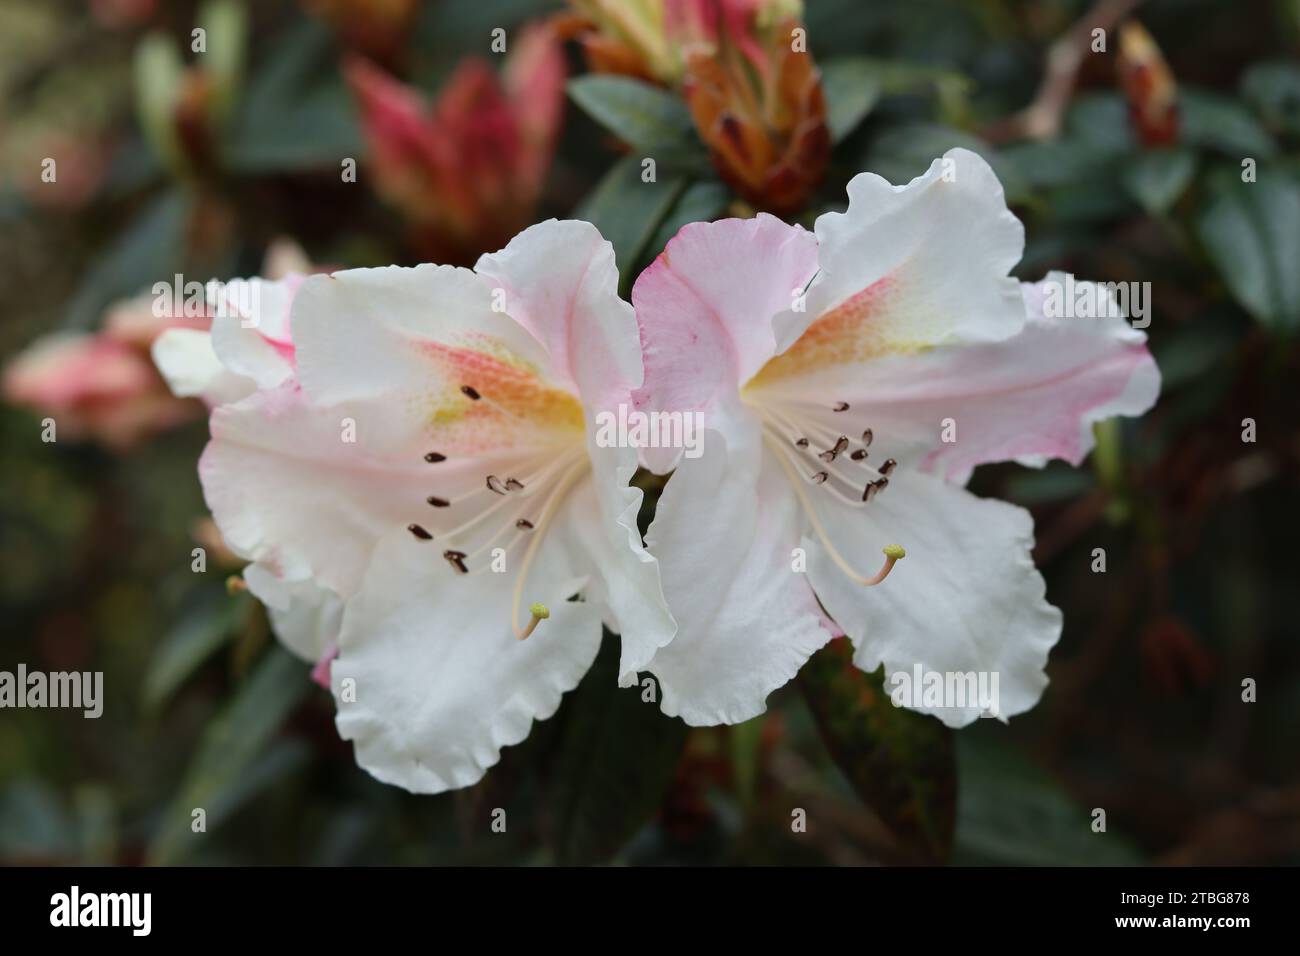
<point>1144,716</point>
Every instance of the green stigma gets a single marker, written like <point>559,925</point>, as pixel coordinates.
<point>540,611</point>
<point>894,551</point>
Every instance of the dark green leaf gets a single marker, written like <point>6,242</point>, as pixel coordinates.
<point>152,248</point>
<point>1224,124</point>
<point>1012,814</point>
<point>297,114</point>
<point>1157,178</point>
<point>627,211</point>
<point>615,758</point>
<point>901,763</point>
<point>648,118</point>
<point>209,622</point>
<point>852,86</point>
<point>1273,91</point>
<point>1252,233</point>
<point>219,777</point>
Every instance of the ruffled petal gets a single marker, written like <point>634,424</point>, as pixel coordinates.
<point>705,308</point>
<point>251,328</point>
<point>289,490</point>
<point>191,368</point>
<point>907,267</point>
<point>966,599</point>
<point>431,682</point>
<point>726,532</point>
<point>949,408</point>
<point>559,281</point>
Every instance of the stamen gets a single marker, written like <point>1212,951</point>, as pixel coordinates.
<point>494,484</point>
<point>831,454</point>
<point>874,488</point>
<point>820,478</point>
<point>457,560</point>
<point>575,472</point>
<point>437,502</point>
<point>513,485</point>
<point>888,466</point>
<point>859,454</point>
<point>893,552</point>
<point>523,524</point>
<point>866,437</point>
<point>434,457</point>
<point>801,443</point>
<point>470,392</point>
<point>419,532</point>
<point>540,612</point>
<point>840,407</point>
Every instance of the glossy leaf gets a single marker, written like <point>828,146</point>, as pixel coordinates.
<point>1252,233</point>
<point>852,86</point>
<point>653,121</point>
<point>1157,178</point>
<point>901,763</point>
<point>615,758</point>
<point>219,777</point>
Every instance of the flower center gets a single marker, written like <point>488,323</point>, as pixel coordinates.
<point>821,460</point>
<point>503,512</point>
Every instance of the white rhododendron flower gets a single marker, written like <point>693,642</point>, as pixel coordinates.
<point>431,461</point>
<point>846,419</point>
<point>248,346</point>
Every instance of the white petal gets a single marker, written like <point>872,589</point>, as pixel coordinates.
<point>411,336</point>
<point>250,329</point>
<point>560,282</point>
<point>914,265</point>
<point>966,599</point>
<point>628,578</point>
<point>310,623</point>
<point>190,366</point>
<point>725,532</point>
<point>440,682</point>
<point>288,489</point>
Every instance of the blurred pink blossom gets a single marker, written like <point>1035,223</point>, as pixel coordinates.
<point>466,171</point>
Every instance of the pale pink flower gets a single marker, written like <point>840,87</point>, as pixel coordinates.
<point>431,462</point>
<point>826,417</point>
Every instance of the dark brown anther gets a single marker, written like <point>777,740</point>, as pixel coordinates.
<point>470,392</point>
<point>888,466</point>
<point>840,407</point>
<point>457,560</point>
<point>874,488</point>
<point>820,478</point>
<point>801,443</point>
<point>437,502</point>
<point>434,457</point>
<point>523,524</point>
<point>419,532</point>
<point>494,484</point>
<point>859,454</point>
<point>832,453</point>
<point>866,437</point>
<point>513,485</point>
